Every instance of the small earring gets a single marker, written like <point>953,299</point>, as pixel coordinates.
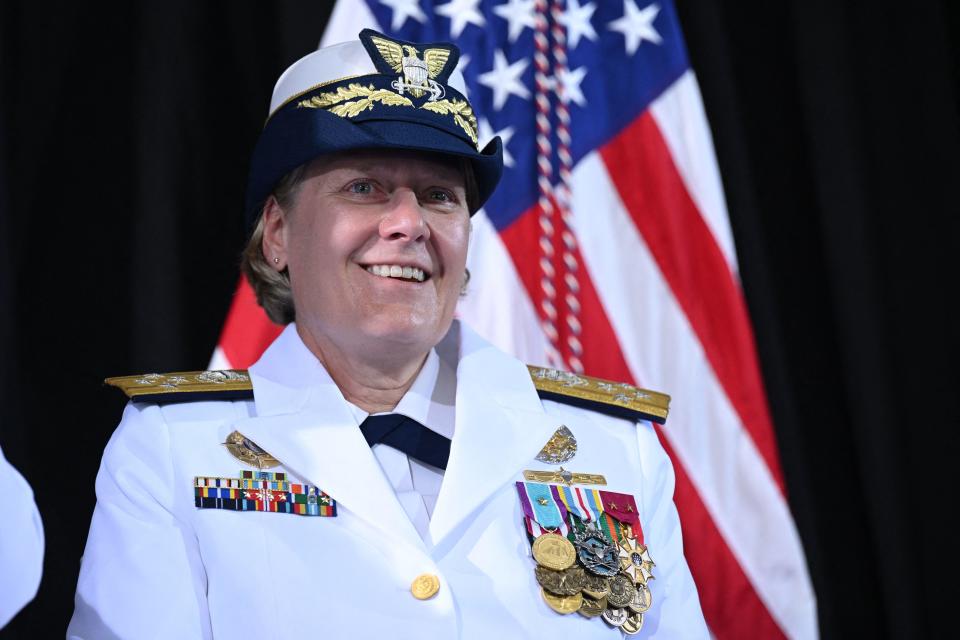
<point>276,260</point>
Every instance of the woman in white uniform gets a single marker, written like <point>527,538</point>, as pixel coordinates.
<point>381,471</point>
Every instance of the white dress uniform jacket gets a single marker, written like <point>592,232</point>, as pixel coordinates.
<point>21,543</point>
<point>155,566</point>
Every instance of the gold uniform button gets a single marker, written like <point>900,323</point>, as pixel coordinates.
<point>425,586</point>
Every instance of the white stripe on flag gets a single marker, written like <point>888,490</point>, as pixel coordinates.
<point>219,360</point>
<point>497,305</point>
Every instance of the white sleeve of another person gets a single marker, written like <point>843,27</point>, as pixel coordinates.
<point>21,543</point>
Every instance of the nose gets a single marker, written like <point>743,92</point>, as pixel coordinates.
<point>404,220</point>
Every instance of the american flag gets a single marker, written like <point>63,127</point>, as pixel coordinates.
<point>607,250</point>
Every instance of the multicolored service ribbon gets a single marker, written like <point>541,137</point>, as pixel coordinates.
<point>542,507</point>
<point>605,525</point>
<point>262,491</point>
<point>588,506</point>
<point>623,507</point>
<point>581,502</point>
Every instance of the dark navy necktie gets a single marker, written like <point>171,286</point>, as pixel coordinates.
<point>407,435</point>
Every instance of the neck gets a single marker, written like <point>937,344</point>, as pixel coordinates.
<point>375,385</point>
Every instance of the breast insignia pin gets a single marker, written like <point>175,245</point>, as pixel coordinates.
<point>560,448</point>
<point>247,451</point>
<point>564,477</point>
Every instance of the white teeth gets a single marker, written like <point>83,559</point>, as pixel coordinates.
<point>396,271</point>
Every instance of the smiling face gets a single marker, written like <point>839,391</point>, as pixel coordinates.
<point>376,247</point>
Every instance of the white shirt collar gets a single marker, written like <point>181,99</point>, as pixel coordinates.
<point>429,400</point>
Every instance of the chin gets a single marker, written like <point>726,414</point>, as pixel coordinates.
<point>405,329</point>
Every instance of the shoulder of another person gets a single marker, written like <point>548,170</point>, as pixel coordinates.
<point>185,386</point>
<point>616,399</point>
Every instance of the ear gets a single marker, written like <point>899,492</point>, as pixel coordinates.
<point>274,234</point>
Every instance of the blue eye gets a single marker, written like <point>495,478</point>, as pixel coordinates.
<point>439,195</point>
<point>361,187</point>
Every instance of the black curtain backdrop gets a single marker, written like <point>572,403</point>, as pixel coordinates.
<point>125,132</point>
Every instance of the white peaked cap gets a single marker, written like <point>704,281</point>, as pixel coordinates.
<point>331,64</point>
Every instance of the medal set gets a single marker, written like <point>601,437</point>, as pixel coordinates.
<point>588,546</point>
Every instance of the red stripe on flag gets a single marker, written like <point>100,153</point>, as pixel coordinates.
<point>730,603</point>
<point>715,570</point>
<point>247,331</point>
<point>693,265</point>
<point>601,350</point>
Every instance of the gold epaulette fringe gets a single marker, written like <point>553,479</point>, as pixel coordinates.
<point>616,398</point>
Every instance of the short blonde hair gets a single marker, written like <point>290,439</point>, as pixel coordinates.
<point>272,287</point>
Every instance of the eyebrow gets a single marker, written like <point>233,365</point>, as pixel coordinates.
<point>442,171</point>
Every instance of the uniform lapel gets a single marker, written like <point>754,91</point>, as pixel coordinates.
<point>303,421</point>
<point>500,427</point>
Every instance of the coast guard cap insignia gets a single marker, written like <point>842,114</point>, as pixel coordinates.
<point>421,74</point>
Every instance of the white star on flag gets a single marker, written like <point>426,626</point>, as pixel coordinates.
<point>403,9</point>
<point>461,13</point>
<point>504,79</point>
<point>487,134</point>
<point>520,14</point>
<point>577,21</point>
<point>636,25</point>
<point>568,85</point>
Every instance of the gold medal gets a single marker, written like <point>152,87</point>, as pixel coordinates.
<point>591,607</point>
<point>643,599</point>
<point>595,586</point>
<point>553,551</point>
<point>632,625</point>
<point>614,617</point>
<point>562,604</point>
<point>561,583</point>
<point>622,591</point>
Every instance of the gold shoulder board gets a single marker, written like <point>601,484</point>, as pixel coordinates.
<point>185,386</point>
<point>614,398</point>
